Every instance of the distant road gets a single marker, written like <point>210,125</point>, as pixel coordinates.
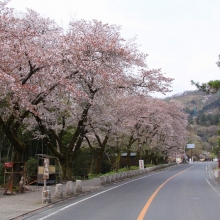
<point>187,191</point>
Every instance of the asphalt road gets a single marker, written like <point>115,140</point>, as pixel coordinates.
<point>187,191</point>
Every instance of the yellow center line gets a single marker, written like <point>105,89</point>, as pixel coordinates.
<point>150,200</point>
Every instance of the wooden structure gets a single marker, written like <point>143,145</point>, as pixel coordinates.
<point>8,187</point>
<point>53,174</point>
<point>12,169</point>
<point>133,159</point>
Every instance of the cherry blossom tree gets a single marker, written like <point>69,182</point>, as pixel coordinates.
<point>139,119</point>
<point>159,125</point>
<point>30,69</point>
<point>106,64</point>
<point>53,81</point>
<point>172,133</point>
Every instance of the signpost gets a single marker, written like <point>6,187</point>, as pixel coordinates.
<point>141,164</point>
<point>191,146</point>
<point>46,169</point>
<point>45,176</point>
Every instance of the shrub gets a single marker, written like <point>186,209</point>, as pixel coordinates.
<point>31,166</point>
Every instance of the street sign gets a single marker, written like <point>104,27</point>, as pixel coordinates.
<point>178,160</point>
<point>8,164</point>
<point>46,168</point>
<point>190,146</point>
<point>141,164</point>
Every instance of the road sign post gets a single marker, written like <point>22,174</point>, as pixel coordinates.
<point>191,146</point>
<point>45,176</point>
<point>46,171</point>
<point>141,164</point>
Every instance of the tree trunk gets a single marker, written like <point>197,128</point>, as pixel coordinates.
<point>118,159</point>
<point>98,164</point>
<point>17,155</point>
<point>66,167</point>
<point>91,166</point>
<point>99,155</point>
<point>128,158</point>
<point>146,157</point>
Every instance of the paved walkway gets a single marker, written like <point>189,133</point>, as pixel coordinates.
<point>13,206</point>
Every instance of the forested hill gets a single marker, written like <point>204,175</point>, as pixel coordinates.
<point>204,115</point>
<point>201,106</point>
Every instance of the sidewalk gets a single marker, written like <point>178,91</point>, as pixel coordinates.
<point>12,206</point>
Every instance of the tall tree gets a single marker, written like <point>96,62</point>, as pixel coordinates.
<point>106,63</point>
<point>50,80</point>
<point>212,86</point>
<point>30,69</point>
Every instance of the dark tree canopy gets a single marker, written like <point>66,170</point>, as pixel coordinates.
<point>212,86</point>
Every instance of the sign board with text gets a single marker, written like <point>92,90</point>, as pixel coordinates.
<point>46,168</point>
<point>8,164</point>
<point>190,146</point>
<point>141,164</point>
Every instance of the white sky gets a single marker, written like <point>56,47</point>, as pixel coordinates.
<point>182,37</point>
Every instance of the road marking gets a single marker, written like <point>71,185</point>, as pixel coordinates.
<point>212,187</point>
<point>150,200</point>
<point>82,200</point>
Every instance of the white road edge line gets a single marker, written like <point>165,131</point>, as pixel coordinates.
<point>75,203</point>
<point>212,186</point>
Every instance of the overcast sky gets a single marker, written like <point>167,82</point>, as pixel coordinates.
<point>182,37</point>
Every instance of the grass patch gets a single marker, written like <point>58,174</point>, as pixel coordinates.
<point>91,175</point>
<point>124,169</point>
<point>150,165</point>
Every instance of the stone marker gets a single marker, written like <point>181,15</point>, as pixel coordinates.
<point>107,179</point>
<point>125,175</point>
<point>48,194</point>
<point>102,180</point>
<point>59,191</point>
<point>128,174</point>
<point>69,188</point>
<point>78,186</point>
<point>113,178</point>
<point>116,176</point>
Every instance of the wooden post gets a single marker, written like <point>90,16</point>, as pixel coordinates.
<point>9,186</point>
<point>45,183</point>
<point>45,176</point>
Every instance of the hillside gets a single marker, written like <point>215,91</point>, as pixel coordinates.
<point>198,102</point>
<point>204,115</point>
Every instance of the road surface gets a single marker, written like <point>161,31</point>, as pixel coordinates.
<point>187,191</point>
